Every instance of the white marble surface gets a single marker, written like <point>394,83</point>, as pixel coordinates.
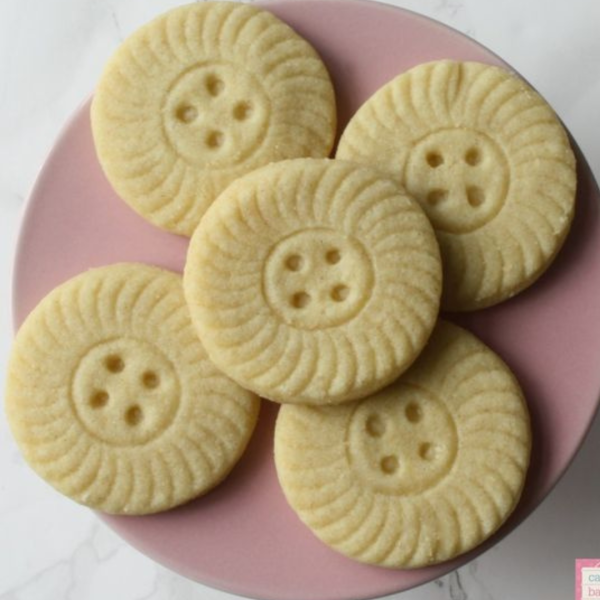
<point>51,53</point>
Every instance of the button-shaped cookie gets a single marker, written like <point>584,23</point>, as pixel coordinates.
<point>201,95</point>
<point>313,281</point>
<point>490,164</point>
<point>422,471</point>
<point>112,399</point>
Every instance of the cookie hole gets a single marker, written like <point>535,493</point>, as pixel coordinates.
<point>214,85</point>
<point>339,293</point>
<point>475,196</point>
<point>427,451</point>
<point>389,464</point>
<point>437,196</point>
<point>242,111</point>
<point>133,416</point>
<point>150,380</point>
<point>413,413</point>
<point>473,157</point>
<point>294,262</point>
<point>375,426</point>
<point>215,139</point>
<point>186,113</point>
<point>300,300</point>
<point>114,363</point>
<point>333,256</point>
<point>434,159</point>
<point>99,399</point>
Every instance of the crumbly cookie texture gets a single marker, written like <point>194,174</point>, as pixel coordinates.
<point>200,96</point>
<point>489,162</point>
<point>313,281</point>
<point>112,399</point>
<point>420,472</point>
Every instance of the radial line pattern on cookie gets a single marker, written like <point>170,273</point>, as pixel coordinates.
<point>489,162</point>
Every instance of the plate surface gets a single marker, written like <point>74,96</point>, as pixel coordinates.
<point>242,537</point>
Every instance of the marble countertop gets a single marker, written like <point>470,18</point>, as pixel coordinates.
<point>51,53</point>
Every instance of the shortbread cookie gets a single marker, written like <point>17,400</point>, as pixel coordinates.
<point>490,164</point>
<point>200,96</point>
<point>422,471</point>
<point>112,399</point>
<point>313,281</point>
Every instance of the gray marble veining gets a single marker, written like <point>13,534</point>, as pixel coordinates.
<point>51,53</point>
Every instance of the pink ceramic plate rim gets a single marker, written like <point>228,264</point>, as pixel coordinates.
<point>346,580</point>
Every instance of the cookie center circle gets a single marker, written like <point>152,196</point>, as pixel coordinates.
<point>216,115</point>
<point>402,442</point>
<point>125,391</point>
<point>318,278</point>
<point>460,177</point>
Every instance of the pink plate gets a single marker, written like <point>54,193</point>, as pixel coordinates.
<point>242,537</point>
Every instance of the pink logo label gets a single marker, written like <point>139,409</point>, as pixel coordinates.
<point>587,578</point>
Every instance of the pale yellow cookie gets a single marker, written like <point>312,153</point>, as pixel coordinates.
<point>111,397</point>
<point>200,96</point>
<point>489,162</point>
<point>313,281</point>
<point>418,473</point>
